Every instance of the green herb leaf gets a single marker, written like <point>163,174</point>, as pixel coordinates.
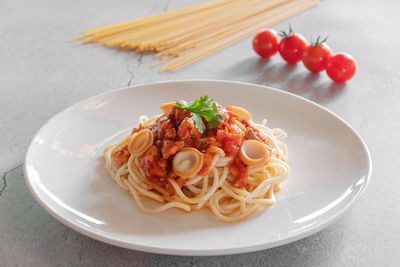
<point>203,107</point>
<point>198,122</point>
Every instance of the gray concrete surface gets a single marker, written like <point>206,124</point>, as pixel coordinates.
<point>41,73</point>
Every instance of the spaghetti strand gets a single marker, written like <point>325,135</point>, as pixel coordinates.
<point>184,36</point>
<point>215,190</point>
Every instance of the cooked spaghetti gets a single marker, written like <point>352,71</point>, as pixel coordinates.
<point>200,155</point>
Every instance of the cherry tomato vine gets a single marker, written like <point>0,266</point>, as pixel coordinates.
<point>316,57</point>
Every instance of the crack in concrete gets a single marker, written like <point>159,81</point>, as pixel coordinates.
<point>165,8</point>
<point>21,213</point>
<point>132,76</point>
<point>139,63</point>
<point>139,60</point>
<point>5,178</point>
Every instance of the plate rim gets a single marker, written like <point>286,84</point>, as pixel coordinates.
<point>198,252</point>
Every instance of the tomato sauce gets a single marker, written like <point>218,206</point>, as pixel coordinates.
<point>176,130</point>
<point>121,156</point>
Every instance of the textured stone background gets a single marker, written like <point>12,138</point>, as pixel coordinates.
<point>41,73</point>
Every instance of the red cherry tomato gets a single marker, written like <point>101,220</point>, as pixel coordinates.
<point>292,47</point>
<point>315,57</point>
<point>266,43</point>
<point>341,67</point>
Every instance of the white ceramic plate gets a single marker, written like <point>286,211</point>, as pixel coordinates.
<point>330,168</point>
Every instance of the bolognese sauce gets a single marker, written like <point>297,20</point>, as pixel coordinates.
<point>176,130</point>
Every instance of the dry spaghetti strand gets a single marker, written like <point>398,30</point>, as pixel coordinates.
<point>184,36</point>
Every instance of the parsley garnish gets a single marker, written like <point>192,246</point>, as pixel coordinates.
<point>203,107</point>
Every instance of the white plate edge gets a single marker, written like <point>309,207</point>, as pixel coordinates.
<point>188,252</point>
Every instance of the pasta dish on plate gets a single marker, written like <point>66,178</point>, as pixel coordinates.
<point>200,155</point>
